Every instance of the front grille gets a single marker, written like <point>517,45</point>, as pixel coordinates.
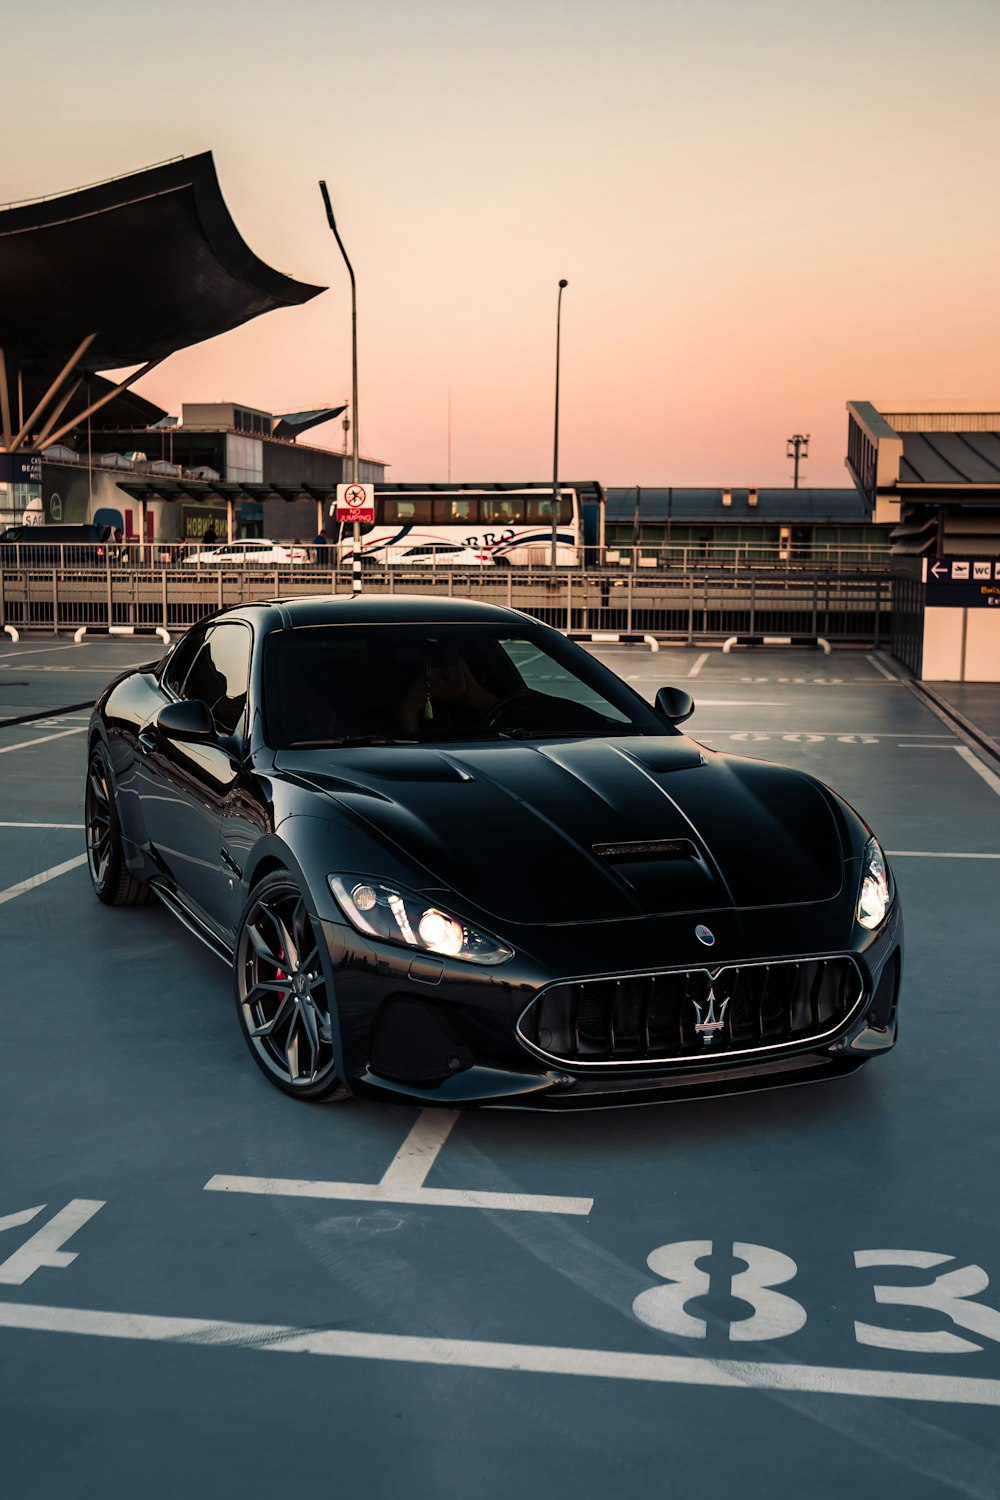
<point>692,1014</point>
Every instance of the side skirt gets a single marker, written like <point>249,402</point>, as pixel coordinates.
<point>178,907</point>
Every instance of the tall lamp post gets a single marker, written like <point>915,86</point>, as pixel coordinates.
<point>796,445</point>
<point>555,444</point>
<point>356,549</point>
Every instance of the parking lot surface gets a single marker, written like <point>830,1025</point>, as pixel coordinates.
<point>793,1293</point>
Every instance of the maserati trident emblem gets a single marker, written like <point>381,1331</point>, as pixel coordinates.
<point>705,935</point>
<point>710,1020</point>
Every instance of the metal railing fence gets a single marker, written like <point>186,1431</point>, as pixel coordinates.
<point>693,607</point>
<point>649,559</point>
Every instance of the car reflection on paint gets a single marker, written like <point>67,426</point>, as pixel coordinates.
<point>452,858</point>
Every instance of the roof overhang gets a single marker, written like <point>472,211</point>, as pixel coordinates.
<point>146,264</point>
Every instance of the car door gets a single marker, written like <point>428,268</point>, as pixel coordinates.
<point>188,783</point>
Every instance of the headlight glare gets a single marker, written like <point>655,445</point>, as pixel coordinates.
<point>876,892</point>
<point>401,916</point>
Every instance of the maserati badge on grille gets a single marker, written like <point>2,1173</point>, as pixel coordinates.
<point>705,935</point>
<point>709,1020</point>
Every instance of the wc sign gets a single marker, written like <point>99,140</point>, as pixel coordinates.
<point>356,502</point>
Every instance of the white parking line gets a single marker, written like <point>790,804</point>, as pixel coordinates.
<point>42,739</point>
<point>934,854</point>
<point>375,1192</point>
<point>890,676</point>
<point>36,880</point>
<point>830,734</point>
<point>415,1157</point>
<point>41,825</point>
<point>990,777</point>
<point>403,1181</point>
<point>33,651</point>
<point>476,1354</point>
<point>696,669</point>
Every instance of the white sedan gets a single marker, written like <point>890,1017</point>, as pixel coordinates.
<point>252,552</point>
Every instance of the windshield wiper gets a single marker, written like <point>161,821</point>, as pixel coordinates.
<point>348,740</point>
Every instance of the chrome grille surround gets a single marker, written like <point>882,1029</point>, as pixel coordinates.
<point>639,1020</point>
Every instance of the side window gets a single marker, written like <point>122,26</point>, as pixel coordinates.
<point>540,511</point>
<point>220,675</point>
<point>502,510</point>
<point>404,511</point>
<point>181,658</point>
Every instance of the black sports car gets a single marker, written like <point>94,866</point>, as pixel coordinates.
<point>453,859</point>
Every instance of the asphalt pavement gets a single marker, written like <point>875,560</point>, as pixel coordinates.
<point>793,1293</point>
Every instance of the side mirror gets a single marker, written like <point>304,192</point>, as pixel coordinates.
<point>674,705</point>
<point>188,721</point>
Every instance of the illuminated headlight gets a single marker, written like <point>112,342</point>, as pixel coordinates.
<point>400,916</point>
<point>876,890</point>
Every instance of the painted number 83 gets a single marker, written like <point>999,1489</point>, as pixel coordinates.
<point>775,1314</point>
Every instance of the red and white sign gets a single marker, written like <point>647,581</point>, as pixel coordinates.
<point>356,502</point>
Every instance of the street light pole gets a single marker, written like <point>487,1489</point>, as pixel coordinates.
<point>356,550</point>
<point>555,444</point>
<point>795,445</point>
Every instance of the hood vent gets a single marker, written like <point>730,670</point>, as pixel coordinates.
<point>647,849</point>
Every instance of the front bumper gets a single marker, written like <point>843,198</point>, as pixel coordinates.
<point>415,1028</point>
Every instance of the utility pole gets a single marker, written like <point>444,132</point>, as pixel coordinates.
<point>356,550</point>
<point>555,446</point>
<point>795,445</point>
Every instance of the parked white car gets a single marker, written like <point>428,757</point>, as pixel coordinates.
<point>251,552</point>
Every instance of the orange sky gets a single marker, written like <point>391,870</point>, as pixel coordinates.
<point>763,208</point>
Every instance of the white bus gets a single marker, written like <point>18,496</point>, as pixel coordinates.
<point>468,528</point>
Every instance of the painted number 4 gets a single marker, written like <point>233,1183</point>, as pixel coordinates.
<point>45,1246</point>
<point>775,1315</point>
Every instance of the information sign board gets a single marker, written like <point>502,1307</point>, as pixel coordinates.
<point>20,468</point>
<point>962,582</point>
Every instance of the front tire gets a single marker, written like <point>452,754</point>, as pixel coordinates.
<point>284,992</point>
<point>109,873</point>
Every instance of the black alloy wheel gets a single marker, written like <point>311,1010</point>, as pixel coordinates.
<point>284,992</point>
<point>105,856</point>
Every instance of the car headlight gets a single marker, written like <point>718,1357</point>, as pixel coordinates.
<point>876,887</point>
<point>401,916</point>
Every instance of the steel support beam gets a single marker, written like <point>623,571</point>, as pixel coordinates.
<point>53,391</point>
<point>43,436</point>
<point>4,402</point>
<point>101,400</point>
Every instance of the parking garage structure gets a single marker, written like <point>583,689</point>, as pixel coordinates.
<point>931,471</point>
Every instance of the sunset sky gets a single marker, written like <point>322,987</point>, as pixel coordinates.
<point>763,208</point>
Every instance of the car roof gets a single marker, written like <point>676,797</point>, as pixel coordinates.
<point>379,609</point>
<point>86,532</point>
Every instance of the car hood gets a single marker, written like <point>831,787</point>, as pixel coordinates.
<point>585,830</point>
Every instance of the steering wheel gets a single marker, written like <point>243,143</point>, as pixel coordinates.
<point>497,714</point>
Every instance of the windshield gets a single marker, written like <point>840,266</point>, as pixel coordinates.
<point>420,684</point>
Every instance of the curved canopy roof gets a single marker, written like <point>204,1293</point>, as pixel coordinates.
<point>295,422</point>
<point>148,263</point>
